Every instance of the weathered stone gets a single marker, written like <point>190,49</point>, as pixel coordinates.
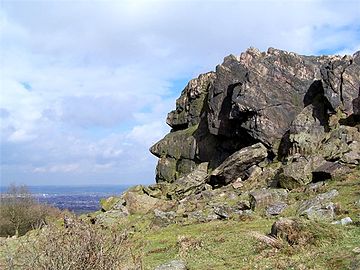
<point>223,211</point>
<point>189,105</point>
<point>177,144</point>
<point>143,204</point>
<point>329,170</point>
<point>111,217</point>
<point>308,128</point>
<point>315,187</point>
<point>298,173</point>
<point>162,218</point>
<point>319,207</point>
<point>275,208</point>
<point>114,203</point>
<point>343,221</point>
<point>238,164</point>
<point>166,170</point>
<point>192,183</point>
<point>293,104</point>
<point>172,265</point>
<point>265,197</point>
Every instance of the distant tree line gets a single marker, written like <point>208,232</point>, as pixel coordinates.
<point>20,212</point>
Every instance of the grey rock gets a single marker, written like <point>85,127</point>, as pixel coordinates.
<point>162,218</point>
<point>315,187</point>
<point>266,197</point>
<point>320,207</point>
<point>172,265</point>
<point>329,170</point>
<point>343,221</point>
<point>111,217</point>
<point>286,101</point>
<point>238,165</point>
<point>275,208</point>
<point>298,173</point>
<point>223,211</point>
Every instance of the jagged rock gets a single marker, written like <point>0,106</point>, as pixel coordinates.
<point>190,104</point>
<point>111,217</point>
<point>298,173</point>
<point>223,211</point>
<point>172,265</point>
<point>192,183</point>
<point>143,204</point>
<point>238,164</point>
<point>307,130</point>
<point>292,104</point>
<point>342,144</point>
<point>320,207</point>
<point>275,208</point>
<point>343,221</point>
<point>162,218</point>
<point>114,203</point>
<point>315,187</point>
<point>265,197</point>
<point>329,170</point>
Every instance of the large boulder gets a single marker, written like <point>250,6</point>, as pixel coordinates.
<point>319,207</point>
<point>238,164</point>
<point>142,204</point>
<point>262,198</point>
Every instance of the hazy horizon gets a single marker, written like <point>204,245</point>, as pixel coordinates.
<point>86,87</point>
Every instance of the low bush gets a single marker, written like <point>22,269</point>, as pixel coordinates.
<point>20,212</point>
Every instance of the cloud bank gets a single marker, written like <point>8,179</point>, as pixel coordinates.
<point>86,85</point>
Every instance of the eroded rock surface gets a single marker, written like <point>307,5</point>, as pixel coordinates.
<point>295,105</point>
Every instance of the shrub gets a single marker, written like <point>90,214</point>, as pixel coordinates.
<point>80,246</point>
<point>19,212</point>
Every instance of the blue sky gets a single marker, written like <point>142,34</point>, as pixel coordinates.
<point>86,85</point>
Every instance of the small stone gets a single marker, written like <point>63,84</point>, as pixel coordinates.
<point>276,208</point>
<point>356,250</point>
<point>343,221</point>
<point>172,265</point>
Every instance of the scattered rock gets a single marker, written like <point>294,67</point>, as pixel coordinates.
<point>319,207</point>
<point>223,211</point>
<point>143,204</point>
<point>298,173</point>
<point>110,217</point>
<point>343,221</point>
<point>238,164</point>
<point>329,170</point>
<point>275,208</point>
<point>265,197</point>
<point>163,219</point>
<point>315,187</point>
<point>172,265</point>
<point>111,203</point>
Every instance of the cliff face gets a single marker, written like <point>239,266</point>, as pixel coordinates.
<point>296,106</point>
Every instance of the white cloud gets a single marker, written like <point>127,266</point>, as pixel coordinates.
<point>85,87</point>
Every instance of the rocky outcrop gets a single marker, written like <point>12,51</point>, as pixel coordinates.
<point>296,106</point>
<point>242,137</point>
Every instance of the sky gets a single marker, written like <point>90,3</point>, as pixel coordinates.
<point>86,85</point>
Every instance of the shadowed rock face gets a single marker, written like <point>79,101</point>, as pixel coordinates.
<point>281,99</point>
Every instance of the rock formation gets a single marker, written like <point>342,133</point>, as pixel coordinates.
<point>261,125</point>
<point>303,110</point>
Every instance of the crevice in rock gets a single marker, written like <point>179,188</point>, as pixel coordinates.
<point>322,107</point>
<point>320,176</point>
<point>284,146</point>
<point>179,127</point>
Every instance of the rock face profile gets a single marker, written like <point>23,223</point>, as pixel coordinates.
<point>261,107</point>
